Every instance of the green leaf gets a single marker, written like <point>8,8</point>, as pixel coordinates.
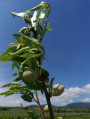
<point>32,62</point>
<point>51,85</point>
<point>23,49</point>
<point>22,14</point>
<point>51,82</point>
<point>35,43</point>
<point>32,56</point>
<point>35,85</point>
<point>11,58</point>
<point>17,79</point>
<point>29,38</point>
<point>25,16</point>
<point>9,50</point>
<point>45,74</point>
<point>29,42</point>
<point>18,59</point>
<point>15,44</point>
<point>15,64</point>
<point>11,91</point>
<point>27,21</point>
<point>26,97</point>
<point>39,30</point>
<point>13,84</point>
<point>38,14</point>
<point>48,28</point>
<point>6,58</point>
<point>7,93</point>
<point>18,73</point>
<point>42,91</point>
<point>22,39</point>
<point>26,55</point>
<point>36,8</point>
<point>35,18</point>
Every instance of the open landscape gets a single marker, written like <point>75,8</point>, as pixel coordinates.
<point>65,112</point>
<point>45,59</point>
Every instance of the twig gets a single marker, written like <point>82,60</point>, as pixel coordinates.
<point>42,115</point>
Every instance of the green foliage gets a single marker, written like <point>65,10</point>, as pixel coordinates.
<point>33,115</point>
<point>28,52</point>
<point>28,97</point>
<point>48,28</point>
<point>13,84</point>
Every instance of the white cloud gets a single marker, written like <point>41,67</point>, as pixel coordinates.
<point>87,87</point>
<point>86,100</point>
<point>71,94</point>
<point>68,96</point>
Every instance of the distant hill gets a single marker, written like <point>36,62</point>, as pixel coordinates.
<point>71,105</point>
<point>78,105</point>
<point>41,106</point>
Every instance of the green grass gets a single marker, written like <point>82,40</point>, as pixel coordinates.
<point>21,113</point>
<point>65,116</point>
<point>71,116</point>
<point>75,116</point>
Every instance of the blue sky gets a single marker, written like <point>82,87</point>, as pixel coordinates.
<point>67,46</point>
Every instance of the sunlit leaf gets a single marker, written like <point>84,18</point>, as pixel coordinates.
<point>38,14</point>
<point>13,84</point>
<point>6,58</point>
<point>22,14</point>
<point>28,11</point>
<point>9,50</point>
<point>23,49</point>
<point>11,58</point>
<point>11,91</point>
<point>42,4</point>
<point>48,28</point>
<point>25,16</point>
<point>15,44</point>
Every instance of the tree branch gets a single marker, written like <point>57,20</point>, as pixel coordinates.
<point>42,115</point>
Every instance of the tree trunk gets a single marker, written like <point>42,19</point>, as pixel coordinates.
<point>48,99</point>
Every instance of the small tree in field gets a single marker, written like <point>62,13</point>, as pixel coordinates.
<point>27,56</point>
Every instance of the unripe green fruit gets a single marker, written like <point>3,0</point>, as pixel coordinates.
<point>57,90</point>
<point>46,108</point>
<point>30,75</point>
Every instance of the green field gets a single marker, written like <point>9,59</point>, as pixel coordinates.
<point>21,113</point>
